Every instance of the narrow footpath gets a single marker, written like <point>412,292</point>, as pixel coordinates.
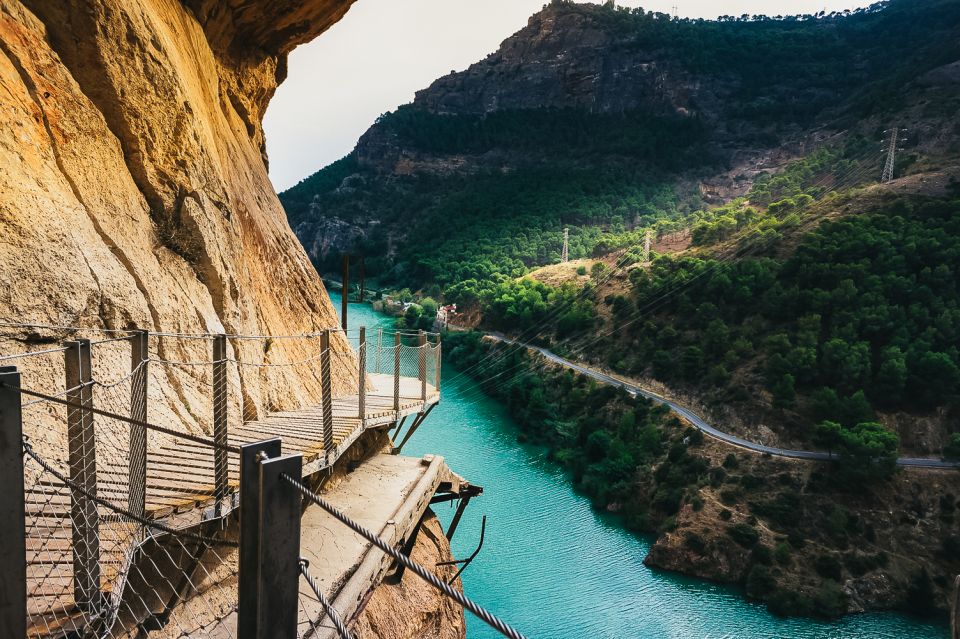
<point>700,423</point>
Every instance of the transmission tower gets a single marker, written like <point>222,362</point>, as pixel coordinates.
<point>891,151</point>
<point>646,247</point>
<point>565,256</point>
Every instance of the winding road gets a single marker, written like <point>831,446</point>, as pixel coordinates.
<point>701,424</point>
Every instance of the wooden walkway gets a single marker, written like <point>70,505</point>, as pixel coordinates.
<point>180,481</point>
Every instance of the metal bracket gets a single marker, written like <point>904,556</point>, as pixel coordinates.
<point>466,562</point>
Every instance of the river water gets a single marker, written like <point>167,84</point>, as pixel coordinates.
<point>556,569</point>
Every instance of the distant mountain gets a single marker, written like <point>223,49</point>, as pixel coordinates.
<point>607,119</point>
<point>790,298</point>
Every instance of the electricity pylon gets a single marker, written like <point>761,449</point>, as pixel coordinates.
<point>646,248</point>
<point>891,151</point>
<point>565,256</point>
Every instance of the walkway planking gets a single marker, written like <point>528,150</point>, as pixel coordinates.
<point>180,480</point>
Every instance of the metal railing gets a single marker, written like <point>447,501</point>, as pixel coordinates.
<point>122,461</point>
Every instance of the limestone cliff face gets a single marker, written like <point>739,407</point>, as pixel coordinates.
<point>567,57</point>
<point>133,179</point>
<point>413,609</point>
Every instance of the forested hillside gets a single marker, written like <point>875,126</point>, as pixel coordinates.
<point>790,296</point>
<point>608,120</point>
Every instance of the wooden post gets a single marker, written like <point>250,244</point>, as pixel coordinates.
<point>422,357</point>
<point>326,382</point>
<point>221,468</point>
<point>345,300</point>
<point>362,390</point>
<point>249,561</point>
<point>139,358</point>
<point>396,371</point>
<point>84,517</point>
<point>13,541</point>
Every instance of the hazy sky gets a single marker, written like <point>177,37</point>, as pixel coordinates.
<point>383,51</point>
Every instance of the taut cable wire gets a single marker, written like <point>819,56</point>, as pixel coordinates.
<point>28,449</point>
<point>484,615</point>
<point>135,422</point>
<point>327,605</point>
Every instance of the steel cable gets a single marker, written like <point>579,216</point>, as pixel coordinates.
<point>484,615</point>
<point>28,449</point>
<point>327,605</point>
<point>6,358</point>
<point>136,422</point>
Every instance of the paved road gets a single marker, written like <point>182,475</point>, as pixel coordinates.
<point>701,424</point>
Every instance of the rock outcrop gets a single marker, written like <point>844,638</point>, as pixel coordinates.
<point>413,608</point>
<point>133,178</point>
<point>567,57</point>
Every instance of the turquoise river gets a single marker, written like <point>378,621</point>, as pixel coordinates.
<point>557,569</point>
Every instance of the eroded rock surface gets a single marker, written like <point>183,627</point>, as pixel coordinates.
<point>413,608</point>
<point>133,180</point>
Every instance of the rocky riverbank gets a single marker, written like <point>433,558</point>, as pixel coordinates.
<point>792,533</point>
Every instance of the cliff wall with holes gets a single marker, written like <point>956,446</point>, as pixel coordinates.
<point>133,180</point>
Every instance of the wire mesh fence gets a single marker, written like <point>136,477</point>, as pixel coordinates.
<point>132,465</point>
<point>94,569</point>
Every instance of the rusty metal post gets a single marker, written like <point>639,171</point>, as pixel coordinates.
<point>345,300</point>
<point>221,468</point>
<point>84,517</point>
<point>362,390</point>
<point>139,358</point>
<point>13,541</point>
<point>326,382</point>
<point>422,360</point>
<point>396,371</point>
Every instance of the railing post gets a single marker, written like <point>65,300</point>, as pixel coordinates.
<point>439,360</point>
<point>362,391</point>
<point>221,468</point>
<point>85,518</point>
<point>326,382</point>
<point>13,541</point>
<point>396,371</point>
<point>139,358</point>
<point>380,350</point>
<point>422,357</point>
<point>248,622</point>
<point>282,505</point>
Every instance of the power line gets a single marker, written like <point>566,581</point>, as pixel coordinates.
<point>855,172</point>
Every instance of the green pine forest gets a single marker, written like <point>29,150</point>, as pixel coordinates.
<point>814,302</point>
